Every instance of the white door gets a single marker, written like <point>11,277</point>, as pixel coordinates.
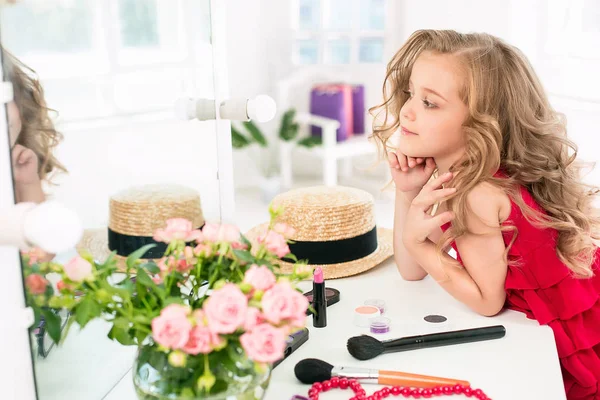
<point>113,71</point>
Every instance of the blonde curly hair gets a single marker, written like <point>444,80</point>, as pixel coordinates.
<point>37,131</point>
<point>511,127</point>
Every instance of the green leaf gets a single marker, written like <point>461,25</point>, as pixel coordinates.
<point>144,279</point>
<point>52,324</point>
<point>256,134</point>
<point>311,141</point>
<point>288,129</point>
<point>136,255</point>
<point>244,255</point>
<point>87,310</point>
<point>245,241</point>
<point>238,140</point>
<point>120,332</point>
<point>151,267</point>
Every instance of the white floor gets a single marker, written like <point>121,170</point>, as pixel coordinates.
<point>89,365</point>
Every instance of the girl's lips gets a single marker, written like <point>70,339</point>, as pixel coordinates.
<point>407,132</point>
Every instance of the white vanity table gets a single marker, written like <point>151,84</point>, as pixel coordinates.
<point>522,365</point>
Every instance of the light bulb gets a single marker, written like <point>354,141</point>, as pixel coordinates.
<point>261,109</point>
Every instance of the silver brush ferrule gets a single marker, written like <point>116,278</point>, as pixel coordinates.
<point>361,374</point>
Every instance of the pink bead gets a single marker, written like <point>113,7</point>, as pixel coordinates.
<point>344,383</point>
<point>396,390</point>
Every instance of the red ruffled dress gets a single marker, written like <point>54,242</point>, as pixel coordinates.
<point>544,289</point>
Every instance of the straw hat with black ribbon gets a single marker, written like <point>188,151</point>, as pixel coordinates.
<point>134,216</point>
<point>335,229</point>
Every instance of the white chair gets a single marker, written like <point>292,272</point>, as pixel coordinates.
<point>294,92</point>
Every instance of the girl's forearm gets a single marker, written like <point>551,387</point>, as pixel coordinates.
<point>408,267</point>
<point>455,280</point>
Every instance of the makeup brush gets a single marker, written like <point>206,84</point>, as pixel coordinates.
<point>311,370</point>
<point>366,347</point>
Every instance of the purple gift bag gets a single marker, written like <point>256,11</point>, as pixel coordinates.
<point>358,109</point>
<point>333,101</point>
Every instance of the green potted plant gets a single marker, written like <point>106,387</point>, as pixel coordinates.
<point>249,134</point>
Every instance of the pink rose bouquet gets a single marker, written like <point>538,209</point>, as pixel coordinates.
<point>215,305</point>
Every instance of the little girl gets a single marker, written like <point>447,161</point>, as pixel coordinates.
<point>505,191</point>
<point>31,131</point>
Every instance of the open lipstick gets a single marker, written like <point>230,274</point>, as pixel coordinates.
<point>319,299</point>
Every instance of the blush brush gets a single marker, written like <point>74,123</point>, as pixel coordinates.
<point>366,347</point>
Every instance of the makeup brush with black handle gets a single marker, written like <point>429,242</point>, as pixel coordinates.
<point>366,347</point>
<point>311,370</point>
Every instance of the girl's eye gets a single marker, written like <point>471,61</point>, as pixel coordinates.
<point>428,104</point>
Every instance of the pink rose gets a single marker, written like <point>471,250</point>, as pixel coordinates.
<point>285,230</point>
<point>282,302</point>
<point>35,254</point>
<point>221,233</point>
<point>36,283</point>
<point>78,269</point>
<point>200,341</point>
<point>183,266</point>
<point>202,250</point>
<point>264,343</point>
<point>225,309</point>
<point>253,318</point>
<point>177,229</point>
<point>171,329</point>
<point>167,264</point>
<point>239,245</point>
<point>275,243</point>
<point>261,278</point>
<point>61,285</point>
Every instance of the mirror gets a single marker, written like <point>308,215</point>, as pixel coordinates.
<point>95,84</point>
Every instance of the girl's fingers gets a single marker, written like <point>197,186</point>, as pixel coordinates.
<point>393,160</point>
<point>438,182</point>
<point>403,161</point>
<point>441,219</point>
<point>428,199</point>
<point>412,162</point>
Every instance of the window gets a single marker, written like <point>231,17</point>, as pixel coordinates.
<point>339,31</point>
<point>112,57</point>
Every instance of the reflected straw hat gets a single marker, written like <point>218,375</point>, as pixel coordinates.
<point>134,216</point>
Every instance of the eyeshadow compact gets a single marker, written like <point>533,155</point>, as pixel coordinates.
<point>332,295</point>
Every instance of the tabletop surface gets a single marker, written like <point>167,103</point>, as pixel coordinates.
<point>522,365</point>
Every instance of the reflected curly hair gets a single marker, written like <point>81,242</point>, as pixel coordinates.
<point>511,127</point>
<point>37,132</point>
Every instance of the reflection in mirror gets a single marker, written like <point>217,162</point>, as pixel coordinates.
<point>95,84</point>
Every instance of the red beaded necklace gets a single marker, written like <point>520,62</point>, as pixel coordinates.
<point>360,394</point>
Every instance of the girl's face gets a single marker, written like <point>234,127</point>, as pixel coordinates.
<point>14,122</point>
<point>431,119</point>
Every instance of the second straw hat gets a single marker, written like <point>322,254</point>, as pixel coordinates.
<point>335,229</point>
